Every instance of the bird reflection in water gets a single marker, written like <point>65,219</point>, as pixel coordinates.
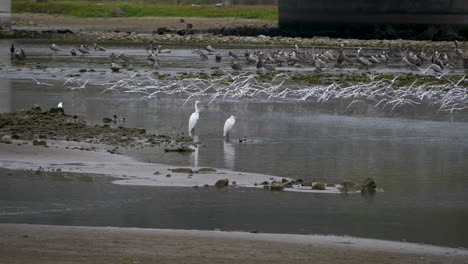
<point>229,155</point>
<point>194,154</point>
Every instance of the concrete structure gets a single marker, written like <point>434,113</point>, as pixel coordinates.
<point>375,18</point>
<point>5,14</point>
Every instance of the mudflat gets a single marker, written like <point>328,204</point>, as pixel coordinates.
<point>134,24</point>
<point>23,243</point>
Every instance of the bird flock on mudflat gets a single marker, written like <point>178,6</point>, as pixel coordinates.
<point>320,58</point>
<point>451,97</point>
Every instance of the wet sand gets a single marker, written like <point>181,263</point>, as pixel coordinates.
<point>66,156</point>
<point>64,244</point>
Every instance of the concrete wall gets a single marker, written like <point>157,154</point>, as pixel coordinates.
<point>5,14</point>
<point>342,14</point>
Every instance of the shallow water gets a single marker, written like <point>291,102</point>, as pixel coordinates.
<point>419,158</point>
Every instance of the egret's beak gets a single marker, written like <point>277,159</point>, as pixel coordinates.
<point>236,117</point>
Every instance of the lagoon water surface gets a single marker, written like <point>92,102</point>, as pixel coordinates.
<point>420,160</point>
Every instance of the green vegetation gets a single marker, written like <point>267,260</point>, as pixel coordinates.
<point>142,8</point>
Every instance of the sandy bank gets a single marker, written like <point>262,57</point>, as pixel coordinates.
<point>66,157</point>
<point>62,244</point>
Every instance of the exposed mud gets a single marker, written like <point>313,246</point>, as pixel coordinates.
<point>37,125</point>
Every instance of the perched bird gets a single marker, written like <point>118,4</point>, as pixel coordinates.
<point>115,67</point>
<point>193,119</point>
<point>435,68</point>
<point>161,50</point>
<point>20,54</point>
<point>54,47</point>
<point>73,52</point>
<point>458,51</point>
<point>60,105</point>
<point>153,57</point>
<point>210,49</point>
<point>83,49</point>
<point>269,68</point>
<point>236,67</point>
<point>123,57</point>
<point>116,119</point>
<point>228,126</point>
<point>98,48</point>
<point>362,60</point>
<point>12,48</point>
<point>203,56</point>
<point>218,57</point>
<point>232,55</point>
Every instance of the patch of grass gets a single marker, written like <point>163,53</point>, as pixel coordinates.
<point>142,8</point>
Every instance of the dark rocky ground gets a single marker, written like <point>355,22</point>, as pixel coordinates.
<point>37,126</point>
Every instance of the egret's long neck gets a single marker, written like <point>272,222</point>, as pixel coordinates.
<point>196,107</point>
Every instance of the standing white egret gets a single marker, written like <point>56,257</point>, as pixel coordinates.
<point>60,105</point>
<point>228,125</point>
<point>193,118</point>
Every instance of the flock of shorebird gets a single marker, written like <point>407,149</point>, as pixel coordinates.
<point>452,97</point>
<point>319,58</point>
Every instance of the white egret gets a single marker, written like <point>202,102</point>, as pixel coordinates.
<point>228,125</point>
<point>60,105</point>
<point>193,118</point>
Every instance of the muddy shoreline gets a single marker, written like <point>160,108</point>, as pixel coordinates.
<point>22,243</point>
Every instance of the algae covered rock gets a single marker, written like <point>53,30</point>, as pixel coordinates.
<point>6,139</point>
<point>206,170</point>
<point>56,111</point>
<point>39,143</point>
<point>347,186</point>
<point>222,183</point>
<point>368,186</point>
<point>276,186</point>
<point>182,170</point>
<point>318,186</point>
<point>106,120</point>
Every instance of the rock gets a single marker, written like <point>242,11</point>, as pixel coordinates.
<point>318,186</point>
<point>206,170</point>
<point>107,120</point>
<point>156,173</point>
<point>57,110</point>
<point>368,186</point>
<point>284,180</point>
<point>180,148</point>
<point>161,30</point>
<point>347,186</point>
<point>222,183</point>
<point>6,139</point>
<point>39,143</point>
<point>276,186</point>
<point>182,170</point>
<point>307,184</point>
<point>265,183</point>
<point>299,181</point>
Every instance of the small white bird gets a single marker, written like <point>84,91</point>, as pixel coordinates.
<point>60,105</point>
<point>228,125</point>
<point>193,118</point>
